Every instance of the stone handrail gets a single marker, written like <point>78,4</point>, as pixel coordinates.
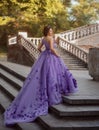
<point>29,47</point>
<point>80,32</point>
<point>34,41</point>
<point>12,40</point>
<point>73,49</point>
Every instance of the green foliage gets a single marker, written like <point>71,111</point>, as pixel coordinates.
<point>33,15</point>
<point>85,12</point>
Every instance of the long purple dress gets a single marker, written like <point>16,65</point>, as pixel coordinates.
<point>44,86</point>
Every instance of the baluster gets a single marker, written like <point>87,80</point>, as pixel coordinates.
<point>72,36</point>
<point>65,36</point>
<point>75,51</point>
<point>72,49</point>
<point>69,48</point>
<point>82,55</point>
<point>79,34</point>
<point>68,37</point>
<point>79,54</point>
<point>92,31</point>
<point>97,27</point>
<point>87,31</point>
<point>64,45</point>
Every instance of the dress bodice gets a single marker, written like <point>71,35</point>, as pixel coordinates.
<point>47,45</point>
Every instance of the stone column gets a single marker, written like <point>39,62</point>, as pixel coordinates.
<point>93,63</point>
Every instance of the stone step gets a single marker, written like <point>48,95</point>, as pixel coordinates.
<point>8,94</point>
<point>72,101</point>
<point>5,102</point>
<point>51,122</point>
<point>71,61</point>
<point>77,68</point>
<point>81,100</point>
<point>2,127</point>
<point>17,83</point>
<point>8,68</point>
<point>74,65</point>
<point>8,89</point>
<point>31,126</point>
<point>66,110</point>
<point>67,56</point>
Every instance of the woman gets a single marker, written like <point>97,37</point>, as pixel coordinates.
<point>48,80</point>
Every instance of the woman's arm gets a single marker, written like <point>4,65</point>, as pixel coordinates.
<point>40,46</point>
<point>57,40</point>
<point>51,47</point>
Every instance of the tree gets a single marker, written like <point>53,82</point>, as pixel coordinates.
<point>85,12</point>
<point>32,15</point>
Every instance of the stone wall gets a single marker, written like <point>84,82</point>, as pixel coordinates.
<point>18,54</point>
<point>93,63</point>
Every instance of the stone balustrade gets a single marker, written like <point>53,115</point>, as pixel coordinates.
<point>65,38</point>
<point>12,40</point>
<point>78,52</point>
<point>29,47</point>
<point>34,41</point>
<point>80,32</point>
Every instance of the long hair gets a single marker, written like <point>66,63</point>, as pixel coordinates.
<point>46,30</point>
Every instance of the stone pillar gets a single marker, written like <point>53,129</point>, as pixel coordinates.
<point>93,63</point>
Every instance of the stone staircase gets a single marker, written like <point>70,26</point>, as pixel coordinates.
<point>71,61</point>
<point>75,113</point>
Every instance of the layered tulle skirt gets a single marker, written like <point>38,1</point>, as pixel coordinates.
<point>44,86</point>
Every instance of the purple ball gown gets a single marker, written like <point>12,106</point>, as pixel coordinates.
<point>44,86</point>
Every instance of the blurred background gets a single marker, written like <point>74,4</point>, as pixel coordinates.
<point>32,15</point>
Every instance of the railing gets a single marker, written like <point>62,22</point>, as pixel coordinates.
<point>34,41</point>
<point>78,52</point>
<point>80,32</point>
<point>12,40</point>
<point>29,47</point>
<point>65,38</point>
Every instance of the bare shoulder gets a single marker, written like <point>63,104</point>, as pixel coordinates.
<point>50,39</point>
